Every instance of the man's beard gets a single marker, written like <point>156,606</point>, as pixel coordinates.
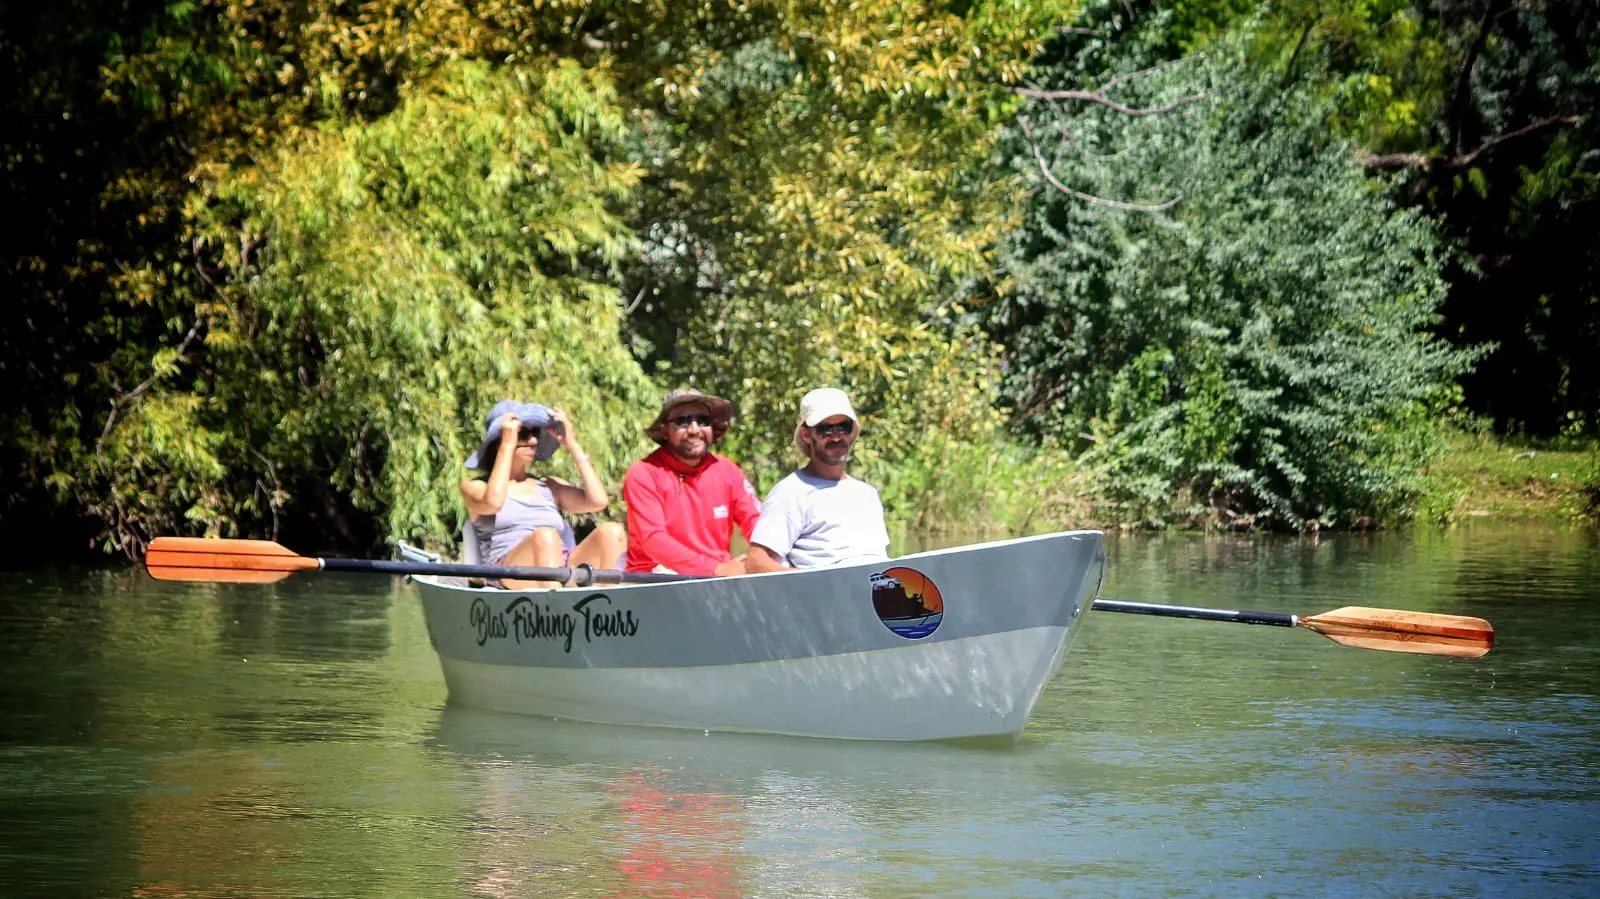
<point>822,455</point>
<point>691,451</point>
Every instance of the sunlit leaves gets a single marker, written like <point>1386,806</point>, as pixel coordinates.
<point>824,199</point>
<point>405,274</point>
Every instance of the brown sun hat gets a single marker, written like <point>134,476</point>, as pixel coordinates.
<point>721,413</point>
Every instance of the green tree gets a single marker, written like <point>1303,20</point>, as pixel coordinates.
<point>389,280</point>
<point>819,195</point>
<point>1484,111</point>
<point>822,165</point>
<point>1249,347</point>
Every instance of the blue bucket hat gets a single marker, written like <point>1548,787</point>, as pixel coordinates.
<point>531,415</point>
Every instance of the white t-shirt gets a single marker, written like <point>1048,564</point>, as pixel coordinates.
<point>809,522</point>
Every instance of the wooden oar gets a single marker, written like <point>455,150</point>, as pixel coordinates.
<point>264,562</point>
<point>1393,630</point>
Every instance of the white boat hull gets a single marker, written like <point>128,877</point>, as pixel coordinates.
<point>982,685</point>
<point>802,653</point>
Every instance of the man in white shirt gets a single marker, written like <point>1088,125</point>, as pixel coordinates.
<point>819,515</point>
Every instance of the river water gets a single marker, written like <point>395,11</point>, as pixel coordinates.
<point>294,740</point>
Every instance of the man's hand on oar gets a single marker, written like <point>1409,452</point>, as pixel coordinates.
<point>1392,630</point>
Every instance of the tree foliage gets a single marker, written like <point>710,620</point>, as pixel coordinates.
<point>380,284</point>
<point>299,331</point>
<point>818,197</point>
<point>278,256</point>
<point>1484,109</point>
<point>1256,354</point>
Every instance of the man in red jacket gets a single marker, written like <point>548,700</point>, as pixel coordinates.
<point>683,500</point>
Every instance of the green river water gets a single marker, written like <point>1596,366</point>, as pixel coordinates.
<point>161,740</point>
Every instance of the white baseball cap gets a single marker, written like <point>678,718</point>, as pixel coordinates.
<point>819,405</point>
<point>824,403</point>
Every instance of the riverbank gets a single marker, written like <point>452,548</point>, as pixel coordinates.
<point>1481,476</point>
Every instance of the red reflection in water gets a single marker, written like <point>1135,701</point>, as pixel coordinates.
<point>681,844</point>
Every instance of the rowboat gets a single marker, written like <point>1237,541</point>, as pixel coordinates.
<point>947,644</point>
<point>938,645</point>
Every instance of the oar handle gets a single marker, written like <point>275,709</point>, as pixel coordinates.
<point>585,574</point>
<point>1271,619</point>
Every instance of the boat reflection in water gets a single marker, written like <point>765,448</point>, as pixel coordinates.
<point>576,808</point>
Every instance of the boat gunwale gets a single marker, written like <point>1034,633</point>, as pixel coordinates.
<point>439,581</point>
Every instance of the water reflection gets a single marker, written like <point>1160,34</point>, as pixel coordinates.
<point>732,815</point>
<point>679,839</point>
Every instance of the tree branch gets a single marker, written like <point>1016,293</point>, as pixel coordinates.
<point>123,399</point>
<point>637,299</point>
<point>1305,35</point>
<point>1044,169</point>
<point>1440,162</point>
<point>1067,136</point>
<point>1459,103</point>
<point>1131,76</point>
<point>1097,97</point>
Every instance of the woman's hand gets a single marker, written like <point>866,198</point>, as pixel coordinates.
<point>509,426</point>
<point>590,494</point>
<point>561,429</point>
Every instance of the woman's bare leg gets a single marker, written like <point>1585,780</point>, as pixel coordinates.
<point>541,548</point>
<point>603,548</point>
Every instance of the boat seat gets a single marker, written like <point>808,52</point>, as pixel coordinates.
<point>410,553</point>
<point>469,543</point>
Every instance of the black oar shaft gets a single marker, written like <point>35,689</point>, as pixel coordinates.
<point>1272,619</point>
<point>516,572</point>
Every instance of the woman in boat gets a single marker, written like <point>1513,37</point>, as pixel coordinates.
<point>518,517</point>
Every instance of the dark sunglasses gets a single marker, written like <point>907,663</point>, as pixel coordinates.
<point>843,428</point>
<point>526,434</point>
<point>699,418</point>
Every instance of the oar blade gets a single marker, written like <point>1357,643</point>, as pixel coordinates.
<point>1397,630</point>
<point>215,575</point>
<point>227,561</point>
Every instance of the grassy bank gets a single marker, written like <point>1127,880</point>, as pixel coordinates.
<point>1484,476</point>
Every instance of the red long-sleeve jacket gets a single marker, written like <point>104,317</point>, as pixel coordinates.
<point>683,517</point>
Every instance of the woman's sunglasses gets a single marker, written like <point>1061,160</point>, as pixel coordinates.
<point>699,418</point>
<point>842,428</point>
<point>526,434</point>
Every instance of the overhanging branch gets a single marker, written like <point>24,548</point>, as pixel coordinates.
<point>1049,176</point>
<point>1443,162</point>
<point>1103,100</point>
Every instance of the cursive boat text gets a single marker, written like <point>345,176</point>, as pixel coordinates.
<point>525,620</point>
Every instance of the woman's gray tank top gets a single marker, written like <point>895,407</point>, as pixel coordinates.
<point>498,534</point>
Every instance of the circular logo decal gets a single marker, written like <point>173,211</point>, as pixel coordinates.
<point>907,602</point>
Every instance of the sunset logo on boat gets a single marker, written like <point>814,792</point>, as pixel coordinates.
<point>907,602</point>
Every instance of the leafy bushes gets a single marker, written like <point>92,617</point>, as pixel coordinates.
<point>384,283</point>
<point>1589,492</point>
<point>1257,355</point>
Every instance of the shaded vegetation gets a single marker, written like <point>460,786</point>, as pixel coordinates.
<point>274,259</point>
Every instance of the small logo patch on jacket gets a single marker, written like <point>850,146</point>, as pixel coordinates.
<point>719,511</point>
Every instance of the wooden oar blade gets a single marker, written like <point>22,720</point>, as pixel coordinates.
<point>215,575</point>
<point>1396,630</point>
<point>230,561</point>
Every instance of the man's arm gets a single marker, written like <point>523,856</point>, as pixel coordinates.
<point>746,508</point>
<point>762,559</point>
<point>774,535</point>
<point>647,528</point>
